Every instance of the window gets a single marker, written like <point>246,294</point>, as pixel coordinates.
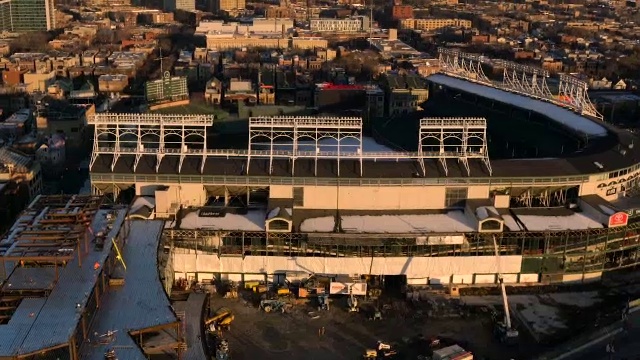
<point>298,196</point>
<point>491,225</point>
<point>278,225</point>
<point>455,197</point>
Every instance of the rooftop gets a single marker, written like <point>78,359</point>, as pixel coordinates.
<point>393,47</point>
<point>53,230</point>
<point>397,81</point>
<point>131,308</point>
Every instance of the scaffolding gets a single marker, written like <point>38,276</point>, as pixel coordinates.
<point>519,79</point>
<point>297,137</point>
<point>119,134</point>
<point>453,138</point>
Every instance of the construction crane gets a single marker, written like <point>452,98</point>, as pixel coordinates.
<point>504,329</point>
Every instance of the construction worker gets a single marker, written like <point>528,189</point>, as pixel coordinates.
<point>611,350</point>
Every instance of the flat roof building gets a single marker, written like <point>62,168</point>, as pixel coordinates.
<point>353,24</point>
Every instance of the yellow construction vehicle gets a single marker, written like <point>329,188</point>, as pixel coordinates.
<point>370,354</point>
<point>282,291</point>
<point>221,320</point>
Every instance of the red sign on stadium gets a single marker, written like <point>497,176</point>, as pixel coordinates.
<point>618,219</point>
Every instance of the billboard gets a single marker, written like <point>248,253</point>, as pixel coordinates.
<point>618,219</point>
<point>342,288</point>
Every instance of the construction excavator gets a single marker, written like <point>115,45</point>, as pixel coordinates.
<point>503,329</point>
<point>221,320</point>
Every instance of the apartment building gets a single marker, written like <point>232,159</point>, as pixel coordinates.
<point>399,12</point>
<point>353,24</point>
<point>405,93</point>
<point>434,24</point>
<point>186,5</point>
<point>226,5</point>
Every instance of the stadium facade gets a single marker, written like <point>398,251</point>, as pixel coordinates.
<point>313,195</point>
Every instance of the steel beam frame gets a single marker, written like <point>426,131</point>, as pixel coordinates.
<point>294,129</point>
<point>453,138</point>
<point>150,134</point>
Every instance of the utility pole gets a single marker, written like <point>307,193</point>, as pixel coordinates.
<point>370,23</point>
<point>161,58</point>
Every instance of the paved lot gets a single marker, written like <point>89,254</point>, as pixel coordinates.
<point>626,344</point>
<point>294,335</point>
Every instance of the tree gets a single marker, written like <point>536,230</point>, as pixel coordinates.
<point>33,41</point>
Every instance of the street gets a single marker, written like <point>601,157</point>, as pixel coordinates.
<point>625,344</point>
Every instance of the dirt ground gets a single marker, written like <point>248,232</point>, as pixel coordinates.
<point>294,334</point>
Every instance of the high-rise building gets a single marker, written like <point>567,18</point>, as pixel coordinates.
<point>186,5</point>
<point>27,15</point>
<point>226,5</point>
<point>5,15</point>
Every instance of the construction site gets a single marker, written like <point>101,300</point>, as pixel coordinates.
<point>326,317</point>
<point>70,275</point>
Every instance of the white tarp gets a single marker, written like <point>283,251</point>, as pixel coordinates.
<point>445,240</point>
<point>413,267</point>
<point>343,288</point>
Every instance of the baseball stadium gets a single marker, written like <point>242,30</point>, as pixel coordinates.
<point>514,172</point>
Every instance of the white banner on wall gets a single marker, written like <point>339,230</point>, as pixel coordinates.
<point>341,288</point>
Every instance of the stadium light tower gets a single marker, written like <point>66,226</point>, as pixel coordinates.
<point>294,137</point>
<point>461,139</point>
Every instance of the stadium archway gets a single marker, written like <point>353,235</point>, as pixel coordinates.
<point>278,224</point>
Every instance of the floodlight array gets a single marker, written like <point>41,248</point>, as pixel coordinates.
<point>112,119</point>
<point>288,132</point>
<point>306,122</point>
<point>465,65</point>
<point>572,92</point>
<point>453,138</point>
<point>157,135</point>
<point>520,79</point>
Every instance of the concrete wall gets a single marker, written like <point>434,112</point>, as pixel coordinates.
<point>185,194</point>
<point>379,198</point>
<point>407,197</point>
<point>281,192</point>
